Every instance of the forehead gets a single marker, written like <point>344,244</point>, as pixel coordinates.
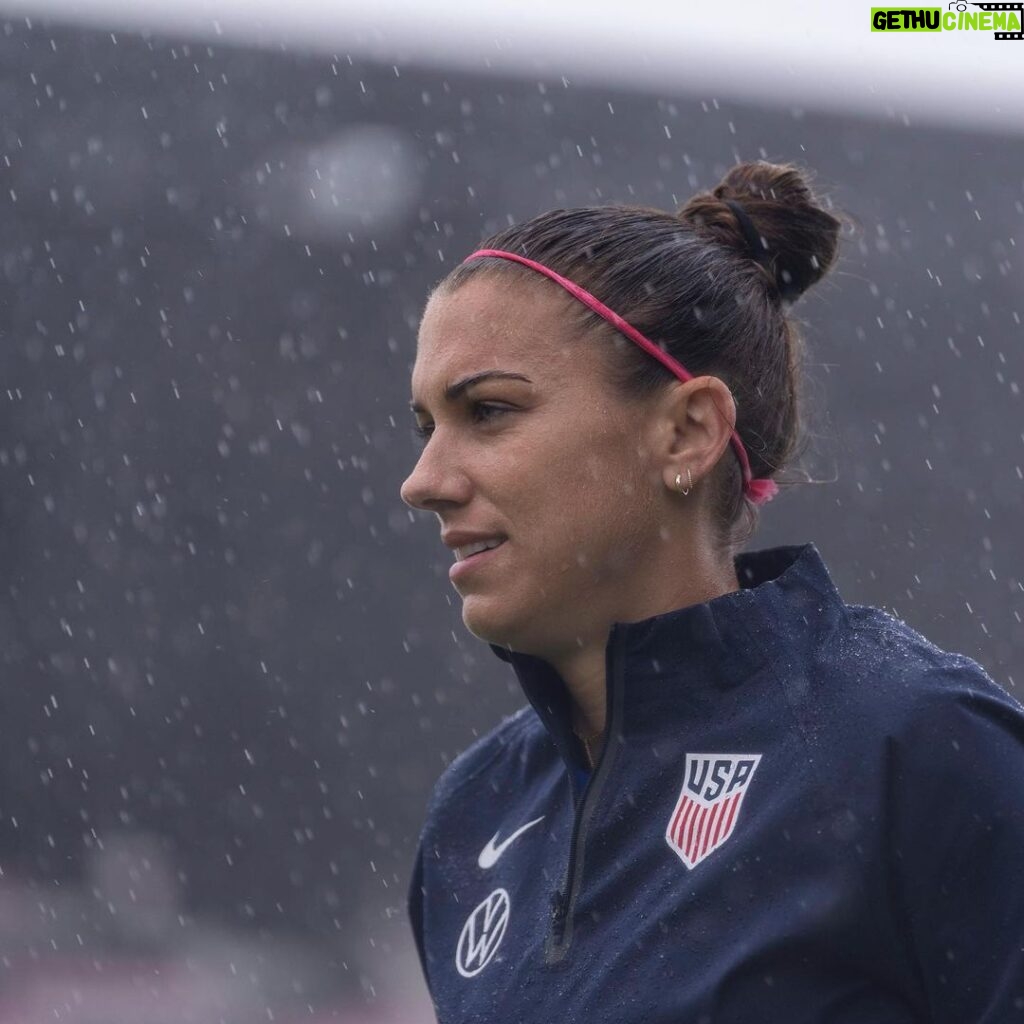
<point>493,323</point>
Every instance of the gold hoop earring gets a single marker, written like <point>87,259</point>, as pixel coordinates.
<point>689,480</point>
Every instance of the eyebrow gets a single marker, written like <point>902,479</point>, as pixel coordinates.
<point>452,391</point>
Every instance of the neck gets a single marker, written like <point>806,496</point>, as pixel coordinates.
<point>583,667</point>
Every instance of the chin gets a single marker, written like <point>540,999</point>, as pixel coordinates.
<point>488,620</point>
<point>485,623</point>
<point>496,622</point>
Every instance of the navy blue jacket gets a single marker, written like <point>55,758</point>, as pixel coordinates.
<point>804,812</point>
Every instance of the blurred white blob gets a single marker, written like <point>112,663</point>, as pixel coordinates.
<point>361,183</point>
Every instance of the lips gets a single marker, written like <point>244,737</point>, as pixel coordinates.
<point>468,550</point>
<point>468,565</point>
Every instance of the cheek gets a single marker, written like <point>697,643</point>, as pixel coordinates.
<point>603,508</point>
<point>611,471</point>
<point>582,487</point>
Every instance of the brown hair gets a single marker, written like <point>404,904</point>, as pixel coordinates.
<point>693,283</point>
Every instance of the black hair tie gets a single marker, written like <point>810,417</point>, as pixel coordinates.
<point>756,247</point>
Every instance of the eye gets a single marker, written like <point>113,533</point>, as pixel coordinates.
<point>482,411</point>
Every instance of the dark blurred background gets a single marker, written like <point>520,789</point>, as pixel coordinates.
<point>233,664</point>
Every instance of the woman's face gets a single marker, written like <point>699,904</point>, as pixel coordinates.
<point>555,463</point>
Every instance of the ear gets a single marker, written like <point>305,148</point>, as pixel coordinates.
<point>700,415</point>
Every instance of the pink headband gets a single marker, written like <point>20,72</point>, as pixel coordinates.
<point>758,491</point>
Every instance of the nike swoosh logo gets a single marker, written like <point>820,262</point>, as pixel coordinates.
<point>490,853</point>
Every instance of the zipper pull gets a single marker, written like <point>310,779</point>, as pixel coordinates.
<point>558,909</point>
<point>559,905</point>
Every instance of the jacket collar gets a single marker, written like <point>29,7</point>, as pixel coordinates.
<point>785,603</point>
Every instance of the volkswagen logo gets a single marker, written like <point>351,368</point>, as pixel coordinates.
<point>482,934</point>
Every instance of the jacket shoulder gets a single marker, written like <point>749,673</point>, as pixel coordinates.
<point>909,656</point>
<point>948,752</point>
<point>881,671</point>
<point>510,734</point>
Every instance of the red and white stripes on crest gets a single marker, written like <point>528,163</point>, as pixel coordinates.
<point>697,829</point>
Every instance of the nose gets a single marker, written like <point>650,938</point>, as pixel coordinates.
<point>435,482</point>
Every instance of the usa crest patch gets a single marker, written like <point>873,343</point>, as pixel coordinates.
<point>709,803</point>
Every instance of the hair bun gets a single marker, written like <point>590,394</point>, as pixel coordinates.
<point>794,238</point>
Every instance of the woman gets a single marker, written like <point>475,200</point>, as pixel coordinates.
<point>732,797</point>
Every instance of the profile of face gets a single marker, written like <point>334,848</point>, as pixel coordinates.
<point>572,475</point>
